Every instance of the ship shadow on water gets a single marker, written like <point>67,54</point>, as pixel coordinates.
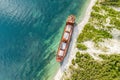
<point>63,64</point>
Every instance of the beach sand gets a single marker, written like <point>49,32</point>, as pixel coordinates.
<point>72,48</point>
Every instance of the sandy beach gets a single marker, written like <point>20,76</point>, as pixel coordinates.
<point>72,48</point>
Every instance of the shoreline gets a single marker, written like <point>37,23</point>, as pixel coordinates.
<point>72,48</point>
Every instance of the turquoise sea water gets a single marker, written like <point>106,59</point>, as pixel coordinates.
<point>30,31</point>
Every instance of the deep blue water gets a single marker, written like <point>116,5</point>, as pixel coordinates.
<point>30,32</point>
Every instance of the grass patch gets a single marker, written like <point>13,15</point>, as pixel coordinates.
<point>96,8</point>
<point>116,23</point>
<point>111,2</point>
<point>89,69</point>
<point>73,62</point>
<point>90,33</point>
<point>81,46</point>
<point>97,15</point>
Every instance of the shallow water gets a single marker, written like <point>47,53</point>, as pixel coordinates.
<point>30,31</point>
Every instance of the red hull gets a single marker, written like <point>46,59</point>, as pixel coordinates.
<point>66,38</point>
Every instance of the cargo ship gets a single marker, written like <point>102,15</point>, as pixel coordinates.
<point>66,38</point>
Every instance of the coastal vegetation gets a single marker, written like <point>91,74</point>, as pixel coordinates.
<point>90,69</point>
<point>90,33</point>
<point>81,46</point>
<point>104,17</point>
<point>99,26</point>
<point>111,2</point>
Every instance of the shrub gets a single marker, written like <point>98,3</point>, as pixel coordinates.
<point>116,23</point>
<point>90,33</point>
<point>73,61</point>
<point>77,60</point>
<point>111,2</point>
<point>81,46</point>
<point>96,8</point>
<point>78,54</point>
<point>89,69</point>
